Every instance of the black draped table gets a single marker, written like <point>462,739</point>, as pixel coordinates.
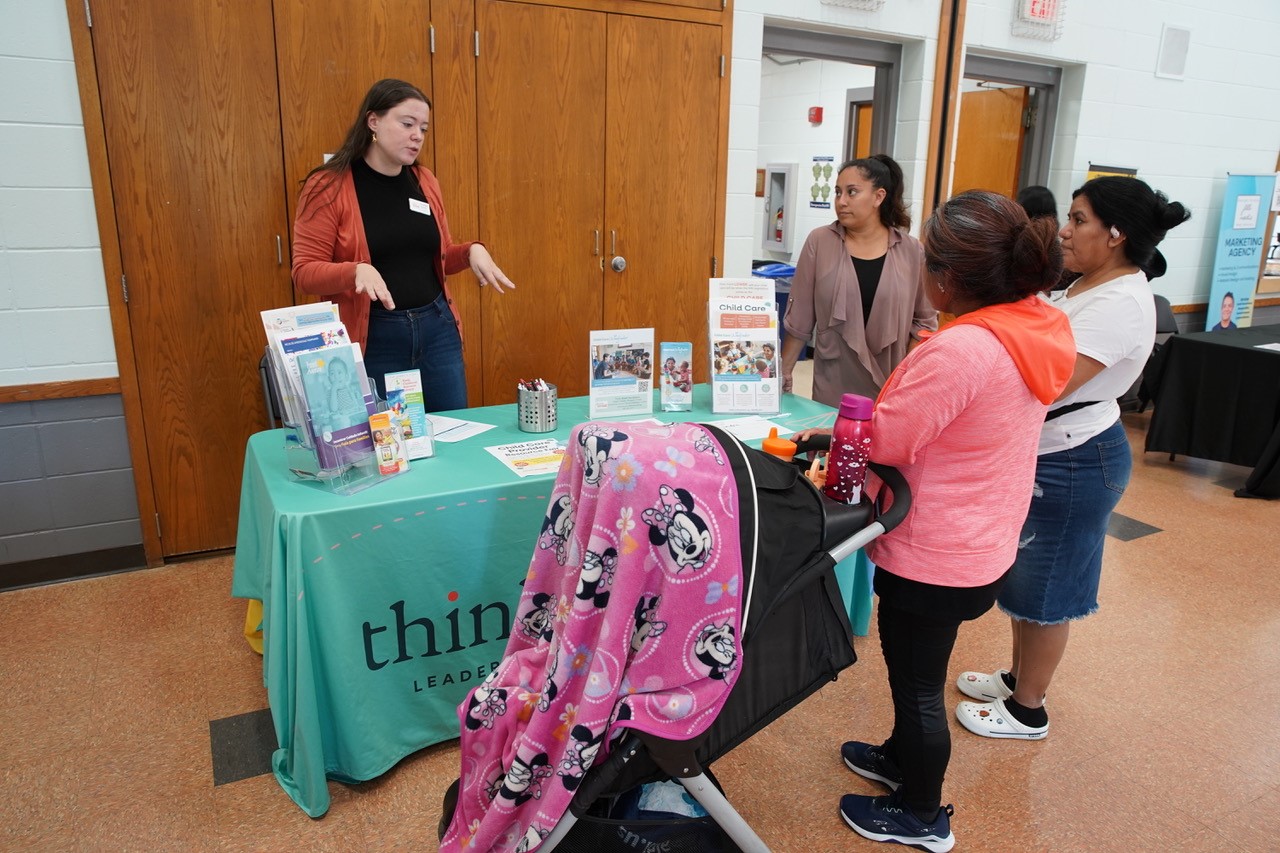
<point>1219,399</point>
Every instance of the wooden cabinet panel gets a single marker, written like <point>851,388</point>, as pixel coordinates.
<point>617,118</point>
<point>189,108</point>
<point>453,128</point>
<point>541,105</point>
<point>328,54</point>
<point>661,169</point>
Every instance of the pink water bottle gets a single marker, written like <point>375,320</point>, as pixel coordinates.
<point>850,450</point>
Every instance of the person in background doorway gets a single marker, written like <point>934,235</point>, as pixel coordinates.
<point>1084,461</point>
<point>960,419</point>
<point>1228,310</point>
<point>857,285</point>
<point>1039,201</point>
<point>371,234</point>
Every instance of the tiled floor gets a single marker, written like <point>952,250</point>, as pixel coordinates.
<point>1165,729</point>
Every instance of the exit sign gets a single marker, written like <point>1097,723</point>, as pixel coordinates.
<point>1039,11</point>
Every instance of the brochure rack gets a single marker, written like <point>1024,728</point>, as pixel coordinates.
<point>317,377</point>
<point>303,461</point>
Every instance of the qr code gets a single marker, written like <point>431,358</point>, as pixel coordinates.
<point>643,386</point>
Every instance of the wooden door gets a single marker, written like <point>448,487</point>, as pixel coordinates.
<point>989,141</point>
<point>541,107</point>
<point>661,167</point>
<point>190,113</point>
<point>861,131</point>
<point>328,54</point>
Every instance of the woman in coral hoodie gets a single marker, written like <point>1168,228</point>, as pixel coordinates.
<point>371,234</point>
<point>960,418</point>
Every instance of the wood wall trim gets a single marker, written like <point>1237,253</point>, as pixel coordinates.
<point>946,100</point>
<point>722,144</point>
<point>104,206</point>
<point>59,390</point>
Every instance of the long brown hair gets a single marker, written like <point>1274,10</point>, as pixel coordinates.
<point>381,97</point>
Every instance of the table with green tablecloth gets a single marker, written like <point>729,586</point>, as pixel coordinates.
<point>382,609</point>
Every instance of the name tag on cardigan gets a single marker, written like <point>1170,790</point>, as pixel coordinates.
<point>419,207</point>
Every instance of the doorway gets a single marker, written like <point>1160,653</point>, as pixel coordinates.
<point>854,82</point>
<point>1005,132</point>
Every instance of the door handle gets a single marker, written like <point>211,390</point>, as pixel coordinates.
<point>618,263</point>
<point>596,249</point>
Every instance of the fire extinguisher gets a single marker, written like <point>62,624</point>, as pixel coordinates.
<point>777,226</point>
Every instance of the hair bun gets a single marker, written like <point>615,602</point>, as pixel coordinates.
<point>1037,255</point>
<point>1171,214</point>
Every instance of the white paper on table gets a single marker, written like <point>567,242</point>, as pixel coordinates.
<point>750,428</point>
<point>1275,347</point>
<point>527,458</point>
<point>450,430</point>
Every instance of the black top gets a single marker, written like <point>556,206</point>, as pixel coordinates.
<point>868,280</point>
<point>403,242</point>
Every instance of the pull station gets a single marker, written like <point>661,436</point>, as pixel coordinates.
<point>815,115</point>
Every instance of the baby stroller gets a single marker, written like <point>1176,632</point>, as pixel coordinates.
<point>790,538</point>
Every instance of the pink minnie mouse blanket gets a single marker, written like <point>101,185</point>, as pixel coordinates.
<point>629,617</point>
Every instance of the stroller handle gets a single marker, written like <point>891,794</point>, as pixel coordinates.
<point>891,477</point>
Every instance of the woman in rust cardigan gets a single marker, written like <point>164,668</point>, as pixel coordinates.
<point>371,235</point>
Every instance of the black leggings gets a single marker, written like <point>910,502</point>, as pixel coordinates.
<point>918,626</point>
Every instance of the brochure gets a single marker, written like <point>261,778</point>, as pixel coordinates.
<point>285,347</point>
<point>675,368</point>
<point>743,322</point>
<point>404,398</point>
<point>528,458</point>
<point>388,443</point>
<point>294,317</point>
<point>621,372</point>
<point>338,405</point>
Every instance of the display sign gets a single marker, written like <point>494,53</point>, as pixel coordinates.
<point>1242,240</point>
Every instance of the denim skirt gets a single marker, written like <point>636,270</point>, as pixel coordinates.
<point>1055,576</point>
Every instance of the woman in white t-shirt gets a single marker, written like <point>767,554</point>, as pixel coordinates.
<point>1084,461</point>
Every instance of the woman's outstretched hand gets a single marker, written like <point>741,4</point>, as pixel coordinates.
<point>369,282</point>
<point>486,270</point>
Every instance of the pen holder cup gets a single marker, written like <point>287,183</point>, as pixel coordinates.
<point>537,410</point>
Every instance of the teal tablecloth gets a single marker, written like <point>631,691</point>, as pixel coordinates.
<point>382,609</point>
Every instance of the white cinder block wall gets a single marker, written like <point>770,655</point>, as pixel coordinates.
<point>1182,136</point>
<point>54,322</point>
<point>786,136</point>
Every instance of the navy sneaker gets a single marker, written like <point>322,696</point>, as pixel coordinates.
<point>869,762</point>
<point>886,819</point>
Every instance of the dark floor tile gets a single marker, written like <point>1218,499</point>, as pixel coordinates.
<point>1127,529</point>
<point>242,746</point>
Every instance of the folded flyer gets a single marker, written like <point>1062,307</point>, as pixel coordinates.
<point>675,360</point>
<point>404,397</point>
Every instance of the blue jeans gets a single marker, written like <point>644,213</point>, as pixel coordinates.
<point>425,338</point>
<point>1059,564</point>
